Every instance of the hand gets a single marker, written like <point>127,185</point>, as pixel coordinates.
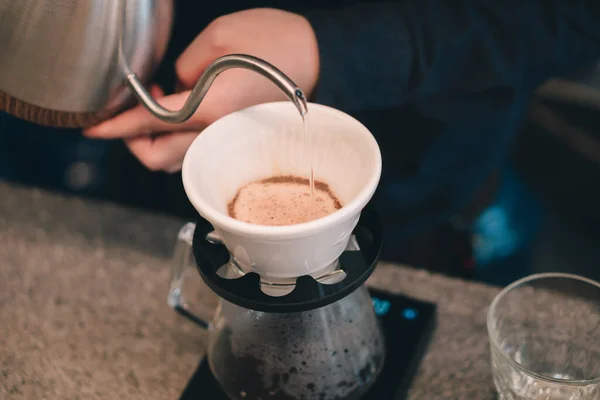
<point>284,39</point>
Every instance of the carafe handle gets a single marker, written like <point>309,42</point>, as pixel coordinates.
<point>183,258</point>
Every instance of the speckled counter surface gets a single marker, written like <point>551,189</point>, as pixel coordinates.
<point>83,312</point>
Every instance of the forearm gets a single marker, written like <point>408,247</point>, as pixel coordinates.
<point>380,55</point>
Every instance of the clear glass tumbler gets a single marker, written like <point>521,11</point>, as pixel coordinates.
<point>545,338</point>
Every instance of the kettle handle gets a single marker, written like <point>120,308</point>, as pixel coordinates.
<point>293,92</point>
<point>182,260</point>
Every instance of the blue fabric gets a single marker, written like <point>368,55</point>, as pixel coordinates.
<point>469,65</point>
<point>509,224</point>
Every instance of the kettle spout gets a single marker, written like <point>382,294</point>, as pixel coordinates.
<point>293,92</point>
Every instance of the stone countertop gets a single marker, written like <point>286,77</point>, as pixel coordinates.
<point>83,312</point>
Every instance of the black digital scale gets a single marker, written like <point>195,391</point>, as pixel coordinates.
<point>407,325</point>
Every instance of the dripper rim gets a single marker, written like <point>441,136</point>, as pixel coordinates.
<point>279,233</point>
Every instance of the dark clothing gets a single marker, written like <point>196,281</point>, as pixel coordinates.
<point>386,54</point>
<point>468,67</point>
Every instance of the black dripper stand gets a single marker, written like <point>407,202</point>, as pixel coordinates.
<point>407,323</point>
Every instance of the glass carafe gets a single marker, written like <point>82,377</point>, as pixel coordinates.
<point>332,352</point>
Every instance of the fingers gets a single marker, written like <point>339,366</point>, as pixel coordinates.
<point>139,121</point>
<point>163,153</point>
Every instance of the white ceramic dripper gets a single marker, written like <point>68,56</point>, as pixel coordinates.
<point>266,140</point>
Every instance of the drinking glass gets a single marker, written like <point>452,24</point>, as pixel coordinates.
<point>545,338</point>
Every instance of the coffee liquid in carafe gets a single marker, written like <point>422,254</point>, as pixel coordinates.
<point>333,352</point>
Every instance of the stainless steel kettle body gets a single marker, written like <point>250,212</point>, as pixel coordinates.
<point>73,55</point>
<point>73,63</point>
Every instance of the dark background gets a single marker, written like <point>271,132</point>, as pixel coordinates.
<point>538,212</point>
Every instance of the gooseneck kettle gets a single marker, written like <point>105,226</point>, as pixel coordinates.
<point>74,63</point>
